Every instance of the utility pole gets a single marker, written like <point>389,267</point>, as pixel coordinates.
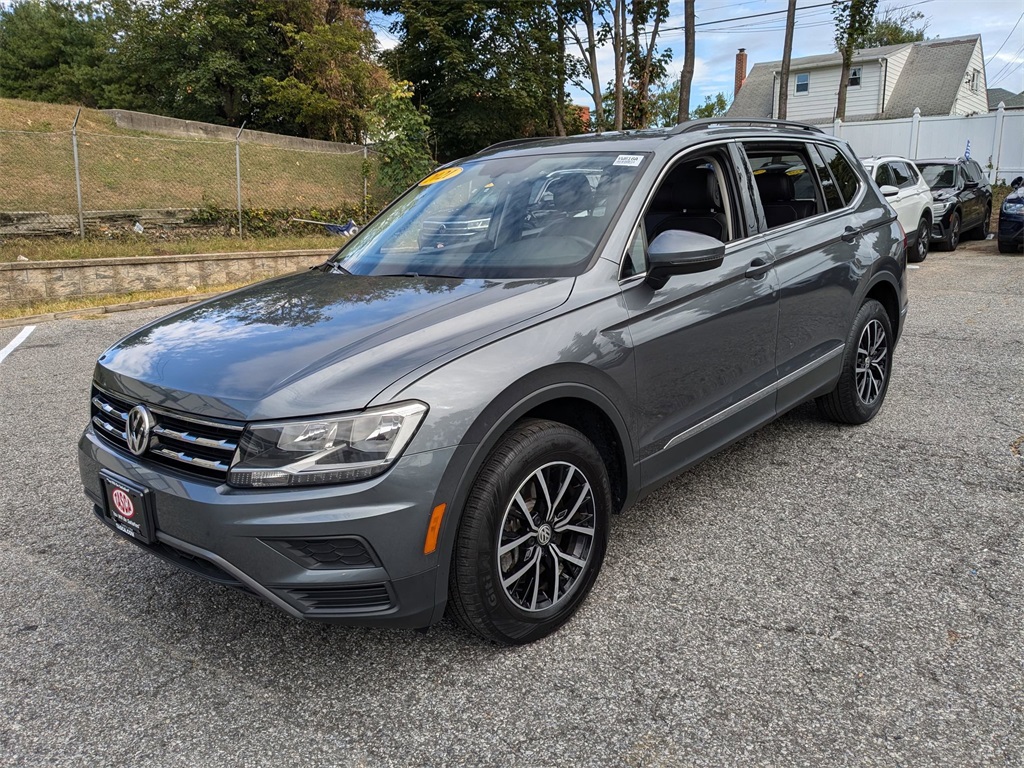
<point>787,54</point>
<point>686,76</point>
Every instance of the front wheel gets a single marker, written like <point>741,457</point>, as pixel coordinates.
<point>920,250</point>
<point>532,536</point>
<point>953,234</point>
<point>867,365</point>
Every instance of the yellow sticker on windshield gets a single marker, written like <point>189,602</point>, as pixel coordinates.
<point>444,173</point>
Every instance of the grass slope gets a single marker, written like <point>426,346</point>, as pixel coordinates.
<point>127,170</point>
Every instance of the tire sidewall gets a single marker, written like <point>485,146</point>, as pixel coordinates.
<point>871,310</point>
<point>489,500</point>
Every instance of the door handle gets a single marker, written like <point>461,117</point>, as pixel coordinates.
<point>850,234</point>
<point>758,268</point>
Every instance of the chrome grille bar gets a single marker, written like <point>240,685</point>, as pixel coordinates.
<point>188,437</point>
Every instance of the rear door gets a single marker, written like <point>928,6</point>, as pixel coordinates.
<point>704,344</point>
<point>821,257</point>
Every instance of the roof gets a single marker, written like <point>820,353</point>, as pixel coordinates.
<point>930,79</point>
<point>1008,98</point>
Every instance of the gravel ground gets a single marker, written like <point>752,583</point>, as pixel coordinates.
<point>814,595</point>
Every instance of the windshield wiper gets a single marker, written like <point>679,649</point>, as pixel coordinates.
<point>333,267</point>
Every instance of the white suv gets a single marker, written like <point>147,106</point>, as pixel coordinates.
<point>902,185</point>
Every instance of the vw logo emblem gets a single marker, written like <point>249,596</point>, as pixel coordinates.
<point>140,423</point>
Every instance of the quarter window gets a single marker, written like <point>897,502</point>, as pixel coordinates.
<point>803,82</point>
<point>854,81</point>
<point>844,175</point>
<point>833,200</point>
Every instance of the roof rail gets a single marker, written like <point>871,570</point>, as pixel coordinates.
<point>514,142</point>
<point>707,122</point>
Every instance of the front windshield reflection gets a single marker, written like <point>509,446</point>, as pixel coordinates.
<point>524,216</point>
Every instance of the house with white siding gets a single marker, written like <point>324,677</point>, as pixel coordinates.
<point>939,77</point>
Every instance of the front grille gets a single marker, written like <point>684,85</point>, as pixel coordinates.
<point>334,599</point>
<point>327,553</point>
<point>202,447</point>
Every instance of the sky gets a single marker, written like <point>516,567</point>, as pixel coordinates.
<point>717,40</point>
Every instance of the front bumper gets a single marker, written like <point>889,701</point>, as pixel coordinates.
<point>1011,230</point>
<point>940,225</point>
<point>350,554</point>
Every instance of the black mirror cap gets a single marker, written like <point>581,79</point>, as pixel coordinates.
<point>680,252</point>
<point>1017,182</point>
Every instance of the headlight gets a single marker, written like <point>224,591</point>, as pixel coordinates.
<point>940,207</point>
<point>1014,208</point>
<point>325,450</point>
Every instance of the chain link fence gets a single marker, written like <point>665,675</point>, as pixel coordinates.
<point>102,184</point>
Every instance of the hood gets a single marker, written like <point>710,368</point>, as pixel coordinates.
<point>1017,196</point>
<point>313,342</point>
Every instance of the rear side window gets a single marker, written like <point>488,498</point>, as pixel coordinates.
<point>901,175</point>
<point>884,176</point>
<point>785,183</point>
<point>843,174</point>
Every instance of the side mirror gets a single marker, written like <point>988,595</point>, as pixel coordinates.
<point>1017,182</point>
<point>971,185</point>
<point>679,252</point>
<point>889,190</point>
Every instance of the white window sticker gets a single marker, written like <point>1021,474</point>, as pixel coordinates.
<point>629,160</point>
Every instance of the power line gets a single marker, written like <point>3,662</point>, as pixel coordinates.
<point>1004,41</point>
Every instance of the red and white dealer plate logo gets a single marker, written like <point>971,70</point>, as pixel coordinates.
<point>123,503</point>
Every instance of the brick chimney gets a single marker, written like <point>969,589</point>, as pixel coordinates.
<point>741,71</point>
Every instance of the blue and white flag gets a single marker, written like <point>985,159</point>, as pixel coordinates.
<point>967,152</point>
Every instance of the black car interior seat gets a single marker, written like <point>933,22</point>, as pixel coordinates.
<point>778,198</point>
<point>689,199</point>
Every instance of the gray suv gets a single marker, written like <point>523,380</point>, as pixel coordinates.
<point>411,428</point>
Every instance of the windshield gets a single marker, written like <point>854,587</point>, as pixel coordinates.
<point>521,216</point>
<point>938,175</point>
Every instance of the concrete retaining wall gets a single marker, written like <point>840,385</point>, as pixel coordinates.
<point>23,283</point>
<point>173,126</point>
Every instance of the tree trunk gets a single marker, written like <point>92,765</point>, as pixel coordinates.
<point>619,46</point>
<point>560,65</point>
<point>686,76</point>
<point>595,77</point>
<point>787,55</point>
<point>844,81</point>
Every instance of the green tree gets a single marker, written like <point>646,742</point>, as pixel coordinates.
<point>58,52</point>
<point>333,76</point>
<point>894,25</point>
<point>666,106</point>
<point>485,72</point>
<point>853,18</point>
<point>400,134</point>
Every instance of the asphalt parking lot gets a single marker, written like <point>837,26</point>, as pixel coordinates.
<point>813,596</point>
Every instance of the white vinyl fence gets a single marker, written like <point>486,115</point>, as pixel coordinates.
<point>997,139</point>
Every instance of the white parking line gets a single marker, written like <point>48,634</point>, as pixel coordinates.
<point>16,341</point>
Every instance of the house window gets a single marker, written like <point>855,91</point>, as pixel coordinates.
<point>975,80</point>
<point>803,82</point>
<point>854,81</point>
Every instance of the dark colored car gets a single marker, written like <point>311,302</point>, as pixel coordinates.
<point>404,430</point>
<point>962,200</point>
<point>1011,219</point>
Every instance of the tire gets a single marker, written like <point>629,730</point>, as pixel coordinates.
<point>920,250</point>
<point>1008,247</point>
<point>860,391</point>
<point>953,234</point>
<point>981,231</point>
<point>537,584</point>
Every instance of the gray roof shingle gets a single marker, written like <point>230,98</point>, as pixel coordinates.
<point>931,78</point>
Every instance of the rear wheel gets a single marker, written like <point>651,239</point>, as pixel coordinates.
<point>867,365</point>
<point>981,231</point>
<point>532,536</point>
<point>920,250</point>
<point>952,234</point>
